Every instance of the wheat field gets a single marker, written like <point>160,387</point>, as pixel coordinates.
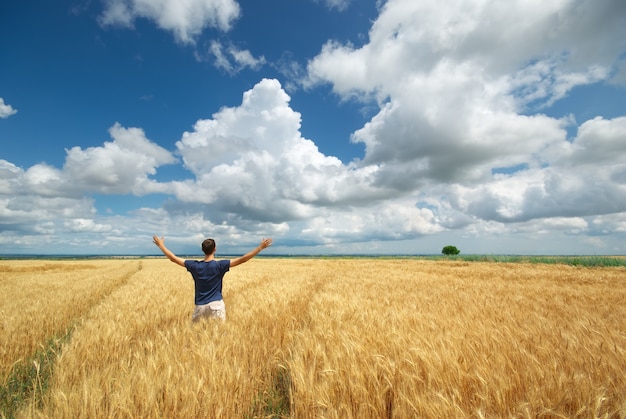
<point>320,338</point>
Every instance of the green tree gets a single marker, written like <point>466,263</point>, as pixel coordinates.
<point>450,250</point>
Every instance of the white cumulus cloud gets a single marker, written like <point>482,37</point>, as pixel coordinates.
<point>232,59</point>
<point>6,110</point>
<point>252,159</point>
<point>458,85</point>
<point>121,166</point>
<point>186,19</point>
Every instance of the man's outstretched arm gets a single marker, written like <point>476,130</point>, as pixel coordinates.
<point>238,261</point>
<point>160,242</point>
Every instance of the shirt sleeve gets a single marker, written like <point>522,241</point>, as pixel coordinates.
<point>225,265</point>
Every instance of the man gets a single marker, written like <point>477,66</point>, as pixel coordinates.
<point>208,275</point>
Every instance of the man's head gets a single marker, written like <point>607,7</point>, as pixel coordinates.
<point>208,246</point>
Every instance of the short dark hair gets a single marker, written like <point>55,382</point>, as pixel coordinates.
<point>208,246</point>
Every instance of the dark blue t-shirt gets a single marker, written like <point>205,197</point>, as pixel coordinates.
<point>207,277</point>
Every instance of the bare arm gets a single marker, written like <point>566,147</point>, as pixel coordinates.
<point>238,261</point>
<point>160,242</point>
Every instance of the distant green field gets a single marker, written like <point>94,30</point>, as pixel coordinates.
<point>580,260</point>
<point>586,261</point>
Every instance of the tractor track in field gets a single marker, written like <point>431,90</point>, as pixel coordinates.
<point>29,378</point>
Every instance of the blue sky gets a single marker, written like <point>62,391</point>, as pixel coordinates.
<point>334,126</point>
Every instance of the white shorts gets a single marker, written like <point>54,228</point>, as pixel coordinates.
<point>215,309</point>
